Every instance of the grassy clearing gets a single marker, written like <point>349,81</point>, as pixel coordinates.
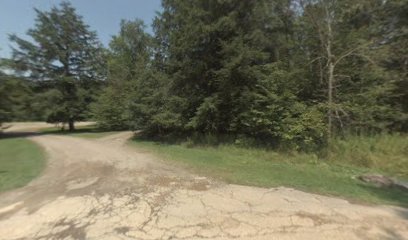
<point>271,169</point>
<point>21,160</point>
<point>91,132</point>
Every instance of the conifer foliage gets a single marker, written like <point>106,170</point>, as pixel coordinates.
<point>287,73</point>
<point>66,57</point>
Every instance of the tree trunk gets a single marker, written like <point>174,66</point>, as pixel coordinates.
<point>330,102</point>
<point>71,125</point>
<point>330,73</point>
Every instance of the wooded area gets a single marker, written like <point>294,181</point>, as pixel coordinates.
<point>291,74</point>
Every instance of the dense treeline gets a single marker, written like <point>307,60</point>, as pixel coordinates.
<point>292,73</point>
<point>289,73</point>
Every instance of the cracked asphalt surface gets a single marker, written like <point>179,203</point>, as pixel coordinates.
<point>103,189</point>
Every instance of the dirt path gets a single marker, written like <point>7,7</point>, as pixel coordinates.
<point>101,189</point>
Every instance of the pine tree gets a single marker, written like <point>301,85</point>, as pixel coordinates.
<point>16,99</point>
<point>67,57</point>
<point>4,100</point>
<point>230,69</point>
<point>128,63</point>
<point>393,34</point>
<point>211,51</point>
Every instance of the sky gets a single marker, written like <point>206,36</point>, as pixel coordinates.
<point>103,16</point>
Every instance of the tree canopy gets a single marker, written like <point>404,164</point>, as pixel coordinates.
<point>65,57</point>
<point>285,73</point>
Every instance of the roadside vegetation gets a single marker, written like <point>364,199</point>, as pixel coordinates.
<point>21,160</point>
<point>383,153</point>
<point>265,168</point>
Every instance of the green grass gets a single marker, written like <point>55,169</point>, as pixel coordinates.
<point>90,132</point>
<point>264,168</point>
<point>384,152</point>
<point>21,160</point>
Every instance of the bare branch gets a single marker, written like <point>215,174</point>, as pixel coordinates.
<point>367,58</point>
<point>342,75</point>
<point>349,53</point>
<point>318,58</point>
<point>344,112</point>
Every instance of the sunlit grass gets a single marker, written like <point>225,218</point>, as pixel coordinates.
<point>21,160</point>
<point>384,152</point>
<point>264,168</point>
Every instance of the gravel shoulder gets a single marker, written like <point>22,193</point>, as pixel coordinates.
<point>102,189</point>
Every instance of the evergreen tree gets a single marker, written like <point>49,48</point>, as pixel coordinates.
<point>66,56</point>
<point>128,62</point>
<point>5,104</point>
<point>230,70</point>
<point>207,45</point>
<point>16,99</point>
<point>392,32</point>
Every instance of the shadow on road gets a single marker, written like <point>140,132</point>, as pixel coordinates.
<point>19,134</point>
<point>392,195</point>
<point>392,235</point>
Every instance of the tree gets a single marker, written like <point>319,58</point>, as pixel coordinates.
<point>346,56</point>
<point>16,99</point>
<point>218,57</point>
<point>128,61</point>
<point>289,73</point>
<point>67,57</point>
<point>5,104</point>
<point>392,33</point>
<point>211,50</point>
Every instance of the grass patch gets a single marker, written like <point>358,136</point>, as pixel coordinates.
<point>90,131</point>
<point>21,160</point>
<point>271,169</point>
<point>383,152</point>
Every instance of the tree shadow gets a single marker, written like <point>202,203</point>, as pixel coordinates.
<point>21,134</point>
<point>5,135</point>
<point>90,129</point>
<point>392,235</point>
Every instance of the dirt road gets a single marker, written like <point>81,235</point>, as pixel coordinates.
<point>101,189</point>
